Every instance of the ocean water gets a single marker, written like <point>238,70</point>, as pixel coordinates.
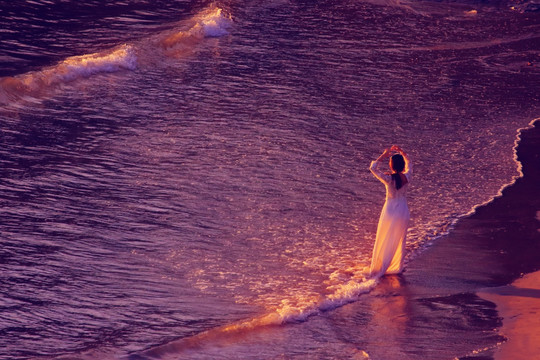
<point>175,173</point>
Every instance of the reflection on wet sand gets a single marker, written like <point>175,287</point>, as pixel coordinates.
<point>519,305</point>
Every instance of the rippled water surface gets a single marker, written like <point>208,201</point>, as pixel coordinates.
<point>176,166</point>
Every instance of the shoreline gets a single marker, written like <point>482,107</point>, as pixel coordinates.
<point>519,305</point>
<point>487,250</point>
<point>514,211</point>
<point>449,228</point>
<point>437,309</point>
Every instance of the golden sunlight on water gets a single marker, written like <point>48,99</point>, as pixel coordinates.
<point>199,199</point>
<point>208,23</point>
<point>122,57</point>
<point>39,83</point>
<point>290,310</point>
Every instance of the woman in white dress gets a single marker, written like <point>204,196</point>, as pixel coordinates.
<point>392,229</point>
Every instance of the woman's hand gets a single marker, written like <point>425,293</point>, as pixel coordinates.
<point>386,154</point>
<point>398,150</point>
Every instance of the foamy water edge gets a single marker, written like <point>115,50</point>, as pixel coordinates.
<point>473,210</point>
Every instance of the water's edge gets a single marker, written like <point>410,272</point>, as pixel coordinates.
<point>491,247</point>
<point>431,279</point>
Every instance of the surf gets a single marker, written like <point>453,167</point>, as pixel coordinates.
<point>291,310</point>
<point>184,38</point>
<point>212,22</point>
<point>71,69</point>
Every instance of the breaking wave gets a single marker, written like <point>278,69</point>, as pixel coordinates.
<point>211,22</point>
<point>70,69</point>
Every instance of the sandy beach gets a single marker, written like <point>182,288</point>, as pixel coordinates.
<point>519,305</point>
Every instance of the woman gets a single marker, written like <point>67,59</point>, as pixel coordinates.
<point>392,229</point>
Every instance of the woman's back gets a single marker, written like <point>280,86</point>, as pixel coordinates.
<point>392,192</point>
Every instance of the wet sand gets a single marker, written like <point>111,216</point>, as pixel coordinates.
<point>519,305</point>
<point>484,253</point>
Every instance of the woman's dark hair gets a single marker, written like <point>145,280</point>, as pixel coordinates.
<point>398,165</point>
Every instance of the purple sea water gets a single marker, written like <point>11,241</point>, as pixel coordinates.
<point>167,168</point>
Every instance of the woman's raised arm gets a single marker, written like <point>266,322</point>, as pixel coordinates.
<point>374,167</point>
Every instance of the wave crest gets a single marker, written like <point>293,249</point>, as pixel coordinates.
<point>36,83</point>
<point>212,22</point>
<point>82,66</point>
<point>215,23</point>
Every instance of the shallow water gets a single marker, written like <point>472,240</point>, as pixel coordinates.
<point>169,168</point>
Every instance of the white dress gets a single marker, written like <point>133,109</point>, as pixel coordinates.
<point>389,245</point>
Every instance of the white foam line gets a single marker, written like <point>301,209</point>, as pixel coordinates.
<point>519,168</point>
<point>85,65</point>
<point>284,314</point>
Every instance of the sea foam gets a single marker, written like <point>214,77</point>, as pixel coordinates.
<point>300,308</point>
<point>74,67</point>
<point>215,23</point>
<point>289,311</point>
<point>38,83</point>
<point>212,22</point>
